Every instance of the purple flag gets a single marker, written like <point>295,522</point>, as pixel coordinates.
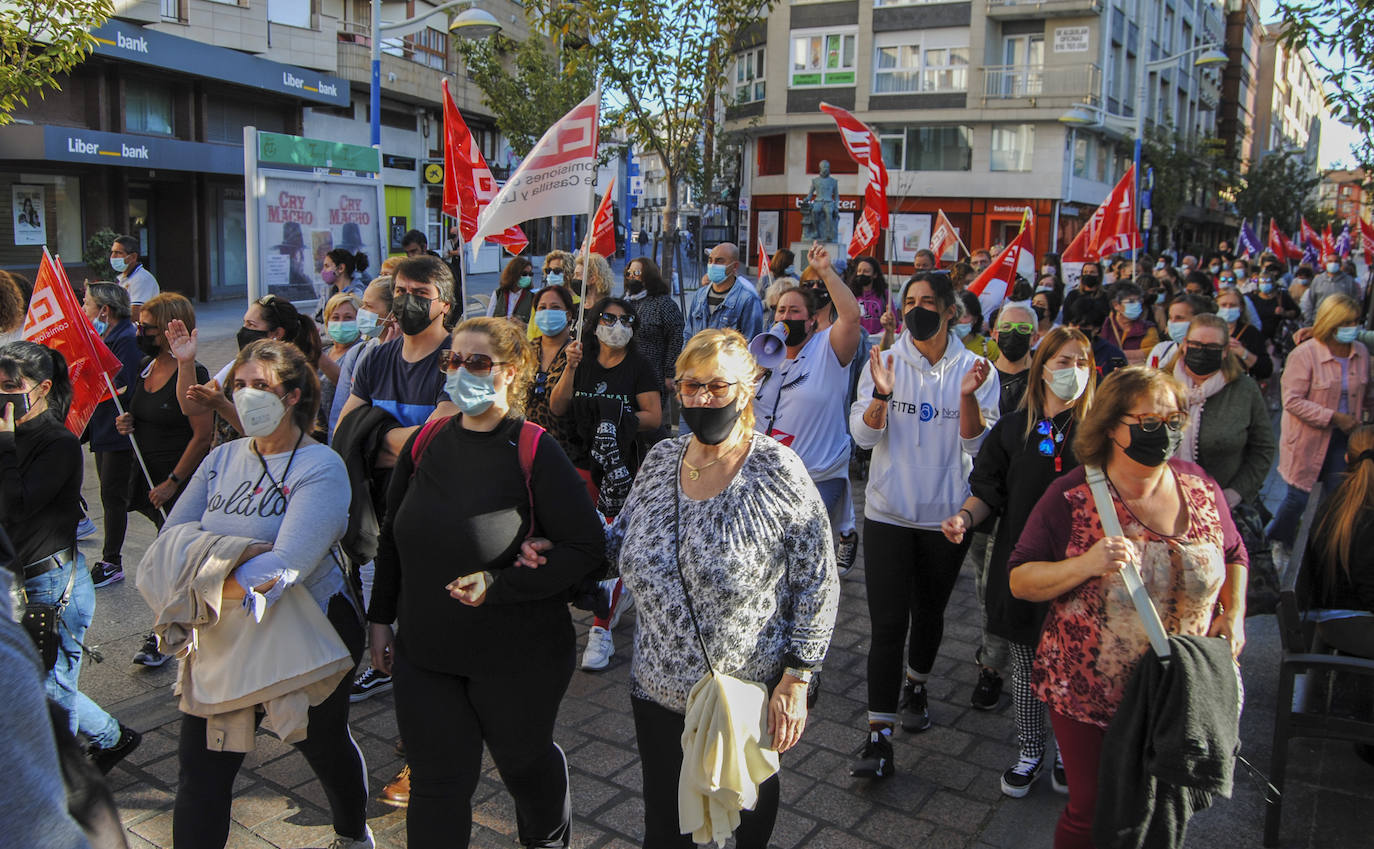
<point>1309,256</point>
<point>1343,242</point>
<point>1249,243</point>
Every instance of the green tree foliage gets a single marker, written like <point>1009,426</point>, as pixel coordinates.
<point>1340,35</point>
<point>1186,173</point>
<point>1276,187</point>
<point>41,41</point>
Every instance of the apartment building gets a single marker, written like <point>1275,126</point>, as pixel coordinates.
<point>1290,105</point>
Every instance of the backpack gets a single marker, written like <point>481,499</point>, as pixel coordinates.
<point>527,447</point>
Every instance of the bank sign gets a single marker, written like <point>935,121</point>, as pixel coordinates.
<point>69,144</point>
<point>132,43</point>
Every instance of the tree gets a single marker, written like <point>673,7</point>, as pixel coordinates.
<point>663,68</point>
<point>1276,187</point>
<point>1185,173</point>
<point>41,41</point>
<point>1339,34</point>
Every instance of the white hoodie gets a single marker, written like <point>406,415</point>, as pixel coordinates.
<point>920,468</point>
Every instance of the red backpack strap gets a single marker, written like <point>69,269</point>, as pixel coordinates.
<point>428,431</point>
<point>527,448</point>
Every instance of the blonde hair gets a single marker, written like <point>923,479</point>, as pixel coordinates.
<point>1334,311</point>
<point>338,300</point>
<point>1114,399</point>
<point>1231,366</point>
<point>777,289</point>
<point>723,352</point>
<point>1035,399</point>
<point>389,264</point>
<point>597,283</point>
<point>553,255</point>
<point>1335,533</point>
<point>508,345</point>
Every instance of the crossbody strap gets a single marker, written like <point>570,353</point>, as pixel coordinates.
<point>1111,525</point>
<point>677,554</point>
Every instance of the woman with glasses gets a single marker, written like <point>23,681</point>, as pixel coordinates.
<point>1244,340</point>
<point>554,313</point>
<point>1129,327</point>
<point>1176,529</point>
<point>660,328</point>
<point>487,650</point>
<point>512,298</point>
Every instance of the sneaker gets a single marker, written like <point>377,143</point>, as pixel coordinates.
<point>875,758</point>
<point>1057,779</point>
<point>914,708</point>
<point>149,655</point>
<point>364,842</point>
<point>397,793</point>
<point>105,759</point>
<point>369,684</point>
<point>622,604</point>
<point>104,573</point>
<point>846,552</point>
<point>988,691</point>
<point>85,529</point>
<point>1017,781</point>
<point>600,647</point>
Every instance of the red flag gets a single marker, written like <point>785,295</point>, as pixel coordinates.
<point>1277,244</point>
<point>865,238</point>
<point>943,238</point>
<point>1119,232</point>
<point>603,225</point>
<point>865,149</point>
<point>996,281</point>
<point>468,183</point>
<point>1083,246</point>
<point>1307,235</point>
<point>1367,237</point>
<point>765,267</point>
<point>55,319</point>
<point>1328,244</point>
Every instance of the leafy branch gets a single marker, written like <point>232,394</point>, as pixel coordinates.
<point>40,42</point>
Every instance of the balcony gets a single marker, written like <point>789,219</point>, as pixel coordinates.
<point>1037,85</point>
<point>1007,10</point>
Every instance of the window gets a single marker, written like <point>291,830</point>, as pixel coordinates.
<point>749,76</point>
<point>897,69</point>
<point>772,155</point>
<point>822,58</point>
<point>147,108</point>
<point>292,13</point>
<point>931,60</point>
<point>948,148</point>
<point>226,118</point>
<point>828,147</point>
<point>1012,147</point>
<point>1080,157</point>
<point>430,48</point>
<point>945,69</point>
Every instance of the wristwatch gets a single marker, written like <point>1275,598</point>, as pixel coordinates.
<point>881,396</point>
<point>172,476</point>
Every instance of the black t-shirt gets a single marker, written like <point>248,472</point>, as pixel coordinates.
<point>1013,388</point>
<point>1268,310</point>
<point>40,488</point>
<point>162,430</point>
<point>622,382</point>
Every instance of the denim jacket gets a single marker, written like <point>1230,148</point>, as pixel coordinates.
<point>742,311</point>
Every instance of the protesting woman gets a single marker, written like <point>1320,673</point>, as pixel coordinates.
<point>659,335</point>
<point>1337,550</point>
<point>554,313</point>
<point>512,298</point>
<point>1244,339</point>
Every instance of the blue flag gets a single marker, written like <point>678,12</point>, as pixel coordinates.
<point>1249,243</point>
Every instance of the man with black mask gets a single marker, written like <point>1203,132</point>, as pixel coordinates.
<point>1089,286</point>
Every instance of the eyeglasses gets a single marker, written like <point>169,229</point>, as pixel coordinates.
<point>478,365</point>
<point>692,388</point>
<point>1025,328</point>
<point>634,275</point>
<point>149,329</point>
<point>609,319</point>
<point>1150,423</point>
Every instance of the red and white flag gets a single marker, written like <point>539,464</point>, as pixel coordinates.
<point>468,184</point>
<point>996,281</point>
<point>556,177</point>
<point>944,238</point>
<point>1328,244</point>
<point>1366,238</point>
<point>1083,248</point>
<point>1309,236</point>
<point>1277,243</point>
<point>765,267</point>
<point>55,319</point>
<point>865,149</point>
<point>1119,231</point>
<point>603,225</point>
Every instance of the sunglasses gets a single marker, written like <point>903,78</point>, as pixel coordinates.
<point>541,382</point>
<point>692,388</point>
<point>1025,328</point>
<point>1047,445</point>
<point>609,319</point>
<point>1151,423</point>
<point>478,365</point>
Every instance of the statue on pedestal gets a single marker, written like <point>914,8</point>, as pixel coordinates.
<point>821,208</point>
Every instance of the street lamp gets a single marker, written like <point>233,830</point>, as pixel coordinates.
<point>472,23</point>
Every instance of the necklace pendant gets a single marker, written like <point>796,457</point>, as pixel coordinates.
<point>694,475</point>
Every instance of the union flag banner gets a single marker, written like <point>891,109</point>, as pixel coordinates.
<point>991,287</point>
<point>603,225</point>
<point>944,238</point>
<point>468,184</point>
<point>865,149</point>
<point>1112,227</point>
<point>1307,235</point>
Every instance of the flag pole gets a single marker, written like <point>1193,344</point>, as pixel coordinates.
<point>114,396</point>
<point>591,214</point>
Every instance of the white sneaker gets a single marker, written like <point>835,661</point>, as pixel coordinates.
<point>627,600</point>
<point>600,647</point>
<point>364,842</point>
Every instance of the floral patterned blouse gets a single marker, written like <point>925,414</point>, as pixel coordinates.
<point>537,407</point>
<point>1093,637</point>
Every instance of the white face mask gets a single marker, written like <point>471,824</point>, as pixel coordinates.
<point>614,337</point>
<point>259,411</point>
<point>1333,267</point>
<point>1067,383</point>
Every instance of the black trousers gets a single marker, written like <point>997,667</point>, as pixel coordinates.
<point>444,720</point>
<point>200,817</point>
<point>658,731</point>
<point>910,574</point>
<point>113,469</point>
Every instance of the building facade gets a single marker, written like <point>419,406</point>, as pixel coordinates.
<point>1290,105</point>
<point>1342,193</point>
<point>1240,86</point>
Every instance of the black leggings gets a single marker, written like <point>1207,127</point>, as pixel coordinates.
<point>200,817</point>
<point>444,719</point>
<point>910,574</point>
<point>113,468</point>
<point>658,731</point>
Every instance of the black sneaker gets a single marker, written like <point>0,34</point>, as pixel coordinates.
<point>105,759</point>
<point>149,655</point>
<point>875,758</point>
<point>1017,781</point>
<point>1057,778</point>
<point>913,707</point>
<point>369,684</point>
<point>846,552</point>
<point>988,691</point>
<point>104,573</point>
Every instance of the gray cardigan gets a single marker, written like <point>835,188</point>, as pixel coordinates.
<point>1236,443</point>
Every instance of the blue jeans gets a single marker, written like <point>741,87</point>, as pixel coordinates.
<point>832,492</point>
<point>1283,527</point>
<point>61,684</point>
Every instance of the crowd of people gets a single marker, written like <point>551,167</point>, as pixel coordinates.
<point>388,478</point>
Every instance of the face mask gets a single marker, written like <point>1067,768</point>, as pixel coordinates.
<point>634,285</point>
<point>1201,361</point>
<point>1153,448</point>
<point>118,263</point>
<point>1132,310</point>
<point>1089,281</point>
<point>472,395</point>
<point>1040,312</point>
<point>1160,266</point>
<point>617,336</point>
<point>1239,273</point>
<point>1266,287</point>
<point>553,278</point>
<point>1215,269</point>
<point>147,344</point>
<point>413,313</point>
<point>796,331</point>
<point>863,281</point>
<point>715,272</point>
<point>369,324</point>
<point>247,335</point>
<point>550,322</point>
<point>922,323</point>
<point>1047,269</point>
<point>1346,335</point>
<point>329,275</point>
<point>822,296</point>
<point>1014,346</point>
<point>1333,267</point>
<point>343,332</point>
<point>1178,331</point>
<point>1067,383</point>
<point>1044,289</point>
<point>711,425</point>
<point>1230,315</point>
<point>100,326</point>
<point>579,286</point>
<point>962,330</point>
<point>259,411</point>
<point>525,281</point>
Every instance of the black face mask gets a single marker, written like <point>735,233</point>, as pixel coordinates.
<point>863,281</point>
<point>412,311</point>
<point>633,285</point>
<point>922,323</point>
<point>711,425</point>
<point>796,331</point>
<point>245,337</point>
<point>1039,312</point>
<point>1089,281</point>
<point>1201,361</point>
<point>148,344</point>
<point>822,295</point>
<point>1153,448</point>
<point>579,286</point>
<point>1013,345</point>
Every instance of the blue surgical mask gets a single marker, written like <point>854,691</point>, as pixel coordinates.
<point>1240,273</point>
<point>963,330</point>
<point>715,272</point>
<point>1266,287</point>
<point>100,326</point>
<point>343,332</point>
<point>551,322</point>
<point>1230,315</point>
<point>1346,335</point>
<point>1132,310</point>
<point>369,324</point>
<point>524,281</point>
<point>472,395</point>
<point>553,278</point>
<point>1178,331</point>
<point>118,263</point>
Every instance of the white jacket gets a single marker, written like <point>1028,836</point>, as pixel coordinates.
<point>919,473</point>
